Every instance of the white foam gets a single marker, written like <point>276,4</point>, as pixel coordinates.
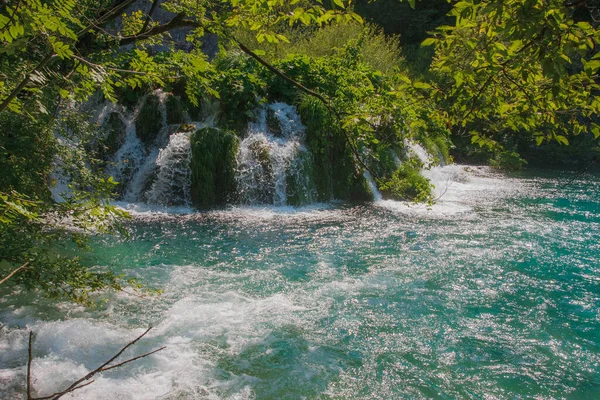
<point>457,189</point>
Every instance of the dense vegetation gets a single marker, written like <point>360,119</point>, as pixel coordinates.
<point>496,79</point>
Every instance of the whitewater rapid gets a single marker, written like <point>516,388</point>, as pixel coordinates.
<point>478,295</point>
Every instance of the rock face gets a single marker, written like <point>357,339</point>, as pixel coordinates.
<point>148,123</point>
<point>213,167</point>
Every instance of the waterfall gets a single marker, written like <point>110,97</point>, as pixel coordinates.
<point>173,177</point>
<point>273,163</point>
<point>151,166</point>
<point>420,152</point>
<point>373,186</point>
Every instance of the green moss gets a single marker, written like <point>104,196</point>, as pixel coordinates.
<point>359,189</point>
<point>174,110</point>
<point>213,167</point>
<point>407,184</point>
<point>335,174</point>
<point>299,181</point>
<point>149,120</point>
<point>115,136</point>
<point>438,147</point>
<point>129,97</point>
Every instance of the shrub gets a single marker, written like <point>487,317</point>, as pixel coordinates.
<point>407,184</point>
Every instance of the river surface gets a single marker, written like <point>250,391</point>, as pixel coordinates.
<point>492,293</point>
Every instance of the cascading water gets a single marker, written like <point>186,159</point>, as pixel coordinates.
<point>173,176</point>
<point>273,164</point>
<point>154,170</point>
<point>140,179</point>
<point>377,196</point>
<point>415,149</point>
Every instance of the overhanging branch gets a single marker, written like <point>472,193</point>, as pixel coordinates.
<point>326,102</point>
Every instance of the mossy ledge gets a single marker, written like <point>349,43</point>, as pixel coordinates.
<point>149,120</point>
<point>213,167</point>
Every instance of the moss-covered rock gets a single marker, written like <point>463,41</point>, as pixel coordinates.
<point>129,97</point>
<point>335,174</point>
<point>213,167</point>
<point>187,128</point>
<point>299,180</point>
<point>175,113</point>
<point>273,123</point>
<point>148,123</point>
<point>116,131</point>
<point>407,184</point>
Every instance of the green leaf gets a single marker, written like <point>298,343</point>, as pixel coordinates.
<point>562,140</point>
<point>428,42</point>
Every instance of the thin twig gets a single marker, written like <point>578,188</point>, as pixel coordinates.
<point>133,359</point>
<point>91,64</point>
<point>14,272</point>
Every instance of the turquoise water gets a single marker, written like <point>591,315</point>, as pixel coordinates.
<point>492,293</point>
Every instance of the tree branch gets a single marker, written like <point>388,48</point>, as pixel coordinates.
<point>25,81</point>
<point>14,272</point>
<point>119,5</point>
<point>312,93</point>
<point>149,17</point>
<point>80,382</point>
<point>178,21</point>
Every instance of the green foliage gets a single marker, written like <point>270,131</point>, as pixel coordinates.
<point>39,232</point>
<point>380,52</point>
<point>508,161</point>
<point>407,184</point>
<point>213,167</point>
<point>27,151</point>
<point>523,67</point>
<point>240,89</point>
<point>41,236</point>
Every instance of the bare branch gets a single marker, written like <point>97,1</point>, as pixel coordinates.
<point>179,21</point>
<point>149,17</point>
<point>133,359</point>
<point>7,277</point>
<point>97,66</point>
<point>80,382</point>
